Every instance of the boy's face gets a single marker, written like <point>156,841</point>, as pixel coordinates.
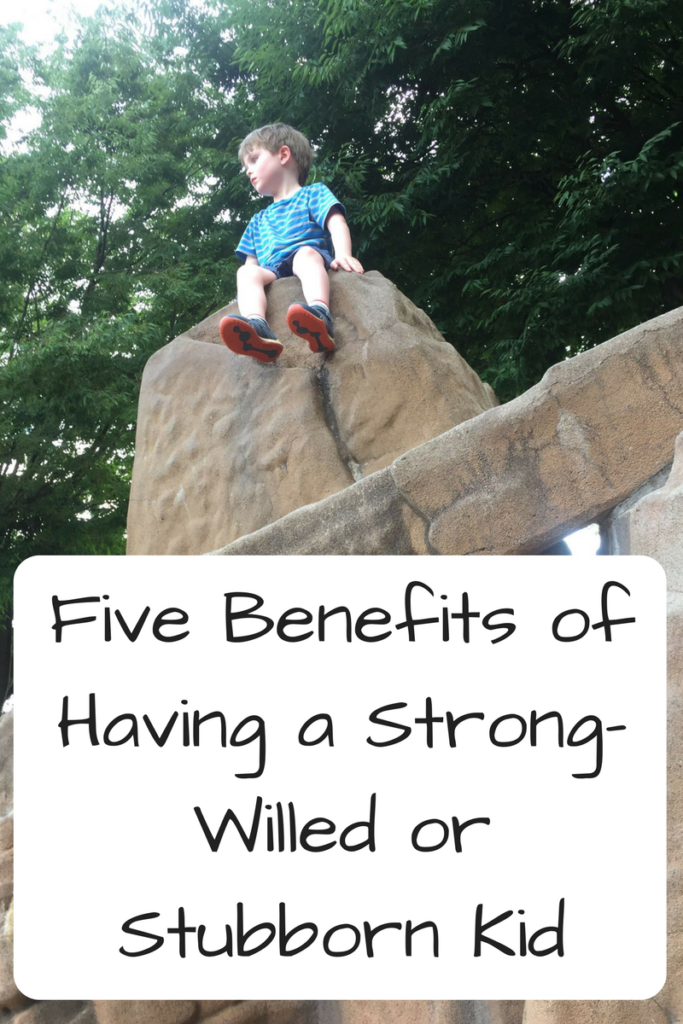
<point>266,170</point>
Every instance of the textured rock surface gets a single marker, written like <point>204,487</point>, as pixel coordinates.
<point>10,996</point>
<point>518,477</point>
<point>226,445</point>
<point>436,1011</point>
<point>263,1011</point>
<point>597,428</point>
<point>144,1011</point>
<point>58,1011</point>
<point>653,526</point>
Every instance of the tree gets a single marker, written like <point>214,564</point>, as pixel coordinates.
<point>513,167</point>
<point>110,246</point>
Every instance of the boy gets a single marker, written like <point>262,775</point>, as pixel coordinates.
<point>294,235</point>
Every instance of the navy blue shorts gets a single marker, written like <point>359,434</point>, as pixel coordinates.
<point>284,269</point>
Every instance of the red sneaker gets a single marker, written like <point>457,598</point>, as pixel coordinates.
<point>312,325</point>
<point>240,336</point>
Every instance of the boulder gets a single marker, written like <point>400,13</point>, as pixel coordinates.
<point>652,525</point>
<point>226,445</point>
<point>519,477</point>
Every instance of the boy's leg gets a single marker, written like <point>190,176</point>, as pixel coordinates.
<point>251,283</point>
<point>309,267</point>
<point>312,321</point>
<point>249,333</point>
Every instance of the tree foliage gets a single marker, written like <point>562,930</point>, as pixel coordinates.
<point>110,245</point>
<point>513,167</point>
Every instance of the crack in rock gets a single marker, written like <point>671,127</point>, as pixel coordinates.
<point>352,464</point>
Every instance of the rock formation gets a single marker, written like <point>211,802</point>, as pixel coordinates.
<point>520,476</point>
<point>226,444</point>
<point>595,439</point>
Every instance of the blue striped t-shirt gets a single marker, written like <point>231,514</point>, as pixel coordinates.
<point>283,227</point>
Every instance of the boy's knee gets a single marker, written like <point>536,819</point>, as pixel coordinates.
<point>307,252</point>
<point>246,272</point>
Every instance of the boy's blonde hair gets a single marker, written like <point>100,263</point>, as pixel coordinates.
<point>272,137</point>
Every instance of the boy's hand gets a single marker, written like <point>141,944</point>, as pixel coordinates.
<point>349,263</point>
<point>341,242</point>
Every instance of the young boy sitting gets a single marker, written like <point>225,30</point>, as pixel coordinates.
<point>294,235</point>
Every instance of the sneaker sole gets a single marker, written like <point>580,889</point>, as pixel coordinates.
<point>311,328</point>
<point>242,339</point>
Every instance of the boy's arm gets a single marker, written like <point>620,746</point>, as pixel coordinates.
<point>341,240</point>
<point>252,260</point>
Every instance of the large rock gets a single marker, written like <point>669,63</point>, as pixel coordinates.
<point>226,444</point>
<point>652,525</point>
<point>518,477</point>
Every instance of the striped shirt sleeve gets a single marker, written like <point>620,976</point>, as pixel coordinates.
<point>320,202</point>
<point>246,245</point>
